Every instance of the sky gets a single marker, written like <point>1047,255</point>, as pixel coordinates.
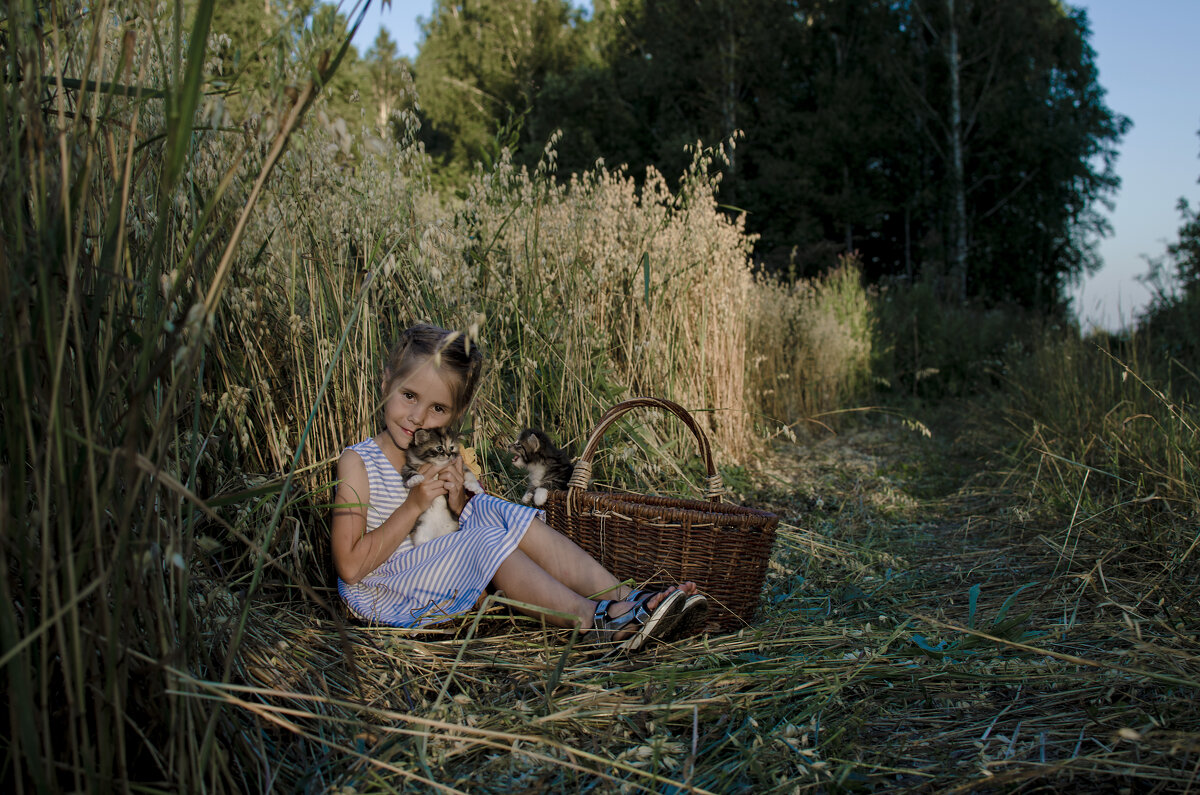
<point>1146,53</point>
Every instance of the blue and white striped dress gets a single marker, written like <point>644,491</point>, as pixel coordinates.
<point>440,579</point>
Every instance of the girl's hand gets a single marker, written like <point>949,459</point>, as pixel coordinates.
<point>429,489</point>
<point>452,476</point>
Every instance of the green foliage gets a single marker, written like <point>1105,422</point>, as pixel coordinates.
<point>811,343</point>
<point>929,348</point>
<point>1173,318</point>
<point>480,68</point>
<point>1040,158</point>
<point>1109,437</point>
<point>846,113</point>
<point>1002,626</point>
<point>389,88</point>
<point>257,46</point>
<point>1186,251</point>
<point>1173,325</point>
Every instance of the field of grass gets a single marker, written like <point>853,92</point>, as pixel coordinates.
<point>928,624</point>
<point>994,588</point>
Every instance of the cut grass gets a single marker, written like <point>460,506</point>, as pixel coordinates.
<point>943,652</point>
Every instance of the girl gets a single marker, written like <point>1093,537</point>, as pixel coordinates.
<point>428,382</point>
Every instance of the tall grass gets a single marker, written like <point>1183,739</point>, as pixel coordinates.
<point>584,290</point>
<point>812,342</point>
<point>199,311</point>
<point>598,290</point>
<point>119,229</point>
<point>1110,439</point>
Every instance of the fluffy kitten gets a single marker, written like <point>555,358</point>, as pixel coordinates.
<point>436,446</point>
<point>548,466</point>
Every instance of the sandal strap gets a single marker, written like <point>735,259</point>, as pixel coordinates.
<point>603,622</point>
<point>641,595</point>
<point>639,613</point>
<point>600,615</point>
<point>641,609</point>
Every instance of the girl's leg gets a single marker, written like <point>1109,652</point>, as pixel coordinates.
<point>525,580</point>
<point>565,561</point>
<point>570,565</point>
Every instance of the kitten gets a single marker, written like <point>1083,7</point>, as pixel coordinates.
<point>548,466</point>
<point>436,446</point>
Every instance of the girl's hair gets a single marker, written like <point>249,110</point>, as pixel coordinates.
<point>451,352</point>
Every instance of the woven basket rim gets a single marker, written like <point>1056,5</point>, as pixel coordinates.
<point>693,511</point>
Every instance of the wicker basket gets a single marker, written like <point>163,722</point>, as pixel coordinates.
<point>723,548</point>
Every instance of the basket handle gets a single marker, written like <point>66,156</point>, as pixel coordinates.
<point>582,476</point>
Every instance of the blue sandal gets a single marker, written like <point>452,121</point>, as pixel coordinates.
<point>691,619</point>
<point>650,623</point>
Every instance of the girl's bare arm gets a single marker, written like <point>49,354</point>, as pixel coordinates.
<point>357,553</point>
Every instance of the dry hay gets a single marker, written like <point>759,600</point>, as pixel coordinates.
<point>889,656</point>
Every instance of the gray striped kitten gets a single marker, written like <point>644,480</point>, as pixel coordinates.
<point>549,467</point>
<point>436,446</point>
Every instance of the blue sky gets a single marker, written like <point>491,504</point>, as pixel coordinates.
<point>1146,51</point>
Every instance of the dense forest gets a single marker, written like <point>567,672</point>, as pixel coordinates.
<point>925,135</point>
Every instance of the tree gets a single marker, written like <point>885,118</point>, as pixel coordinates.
<point>256,39</point>
<point>1173,316</point>
<point>966,142</point>
<point>655,78</point>
<point>1185,252</point>
<point>1036,141</point>
<point>1175,277</point>
<point>958,248</point>
<point>480,67</point>
<point>824,128</point>
<point>387,85</point>
<point>328,28</point>
<point>251,38</point>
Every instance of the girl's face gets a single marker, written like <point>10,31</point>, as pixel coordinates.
<point>421,399</point>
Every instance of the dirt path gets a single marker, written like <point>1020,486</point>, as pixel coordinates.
<point>1092,680</point>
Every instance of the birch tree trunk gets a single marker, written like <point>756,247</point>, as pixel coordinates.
<point>730,94</point>
<point>958,246</point>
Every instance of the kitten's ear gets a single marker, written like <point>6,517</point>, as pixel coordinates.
<point>533,442</point>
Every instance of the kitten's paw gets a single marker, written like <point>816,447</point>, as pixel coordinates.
<point>471,483</point>
<point>539,497</point>
<point>414,480</point>
<point>527,497</point>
